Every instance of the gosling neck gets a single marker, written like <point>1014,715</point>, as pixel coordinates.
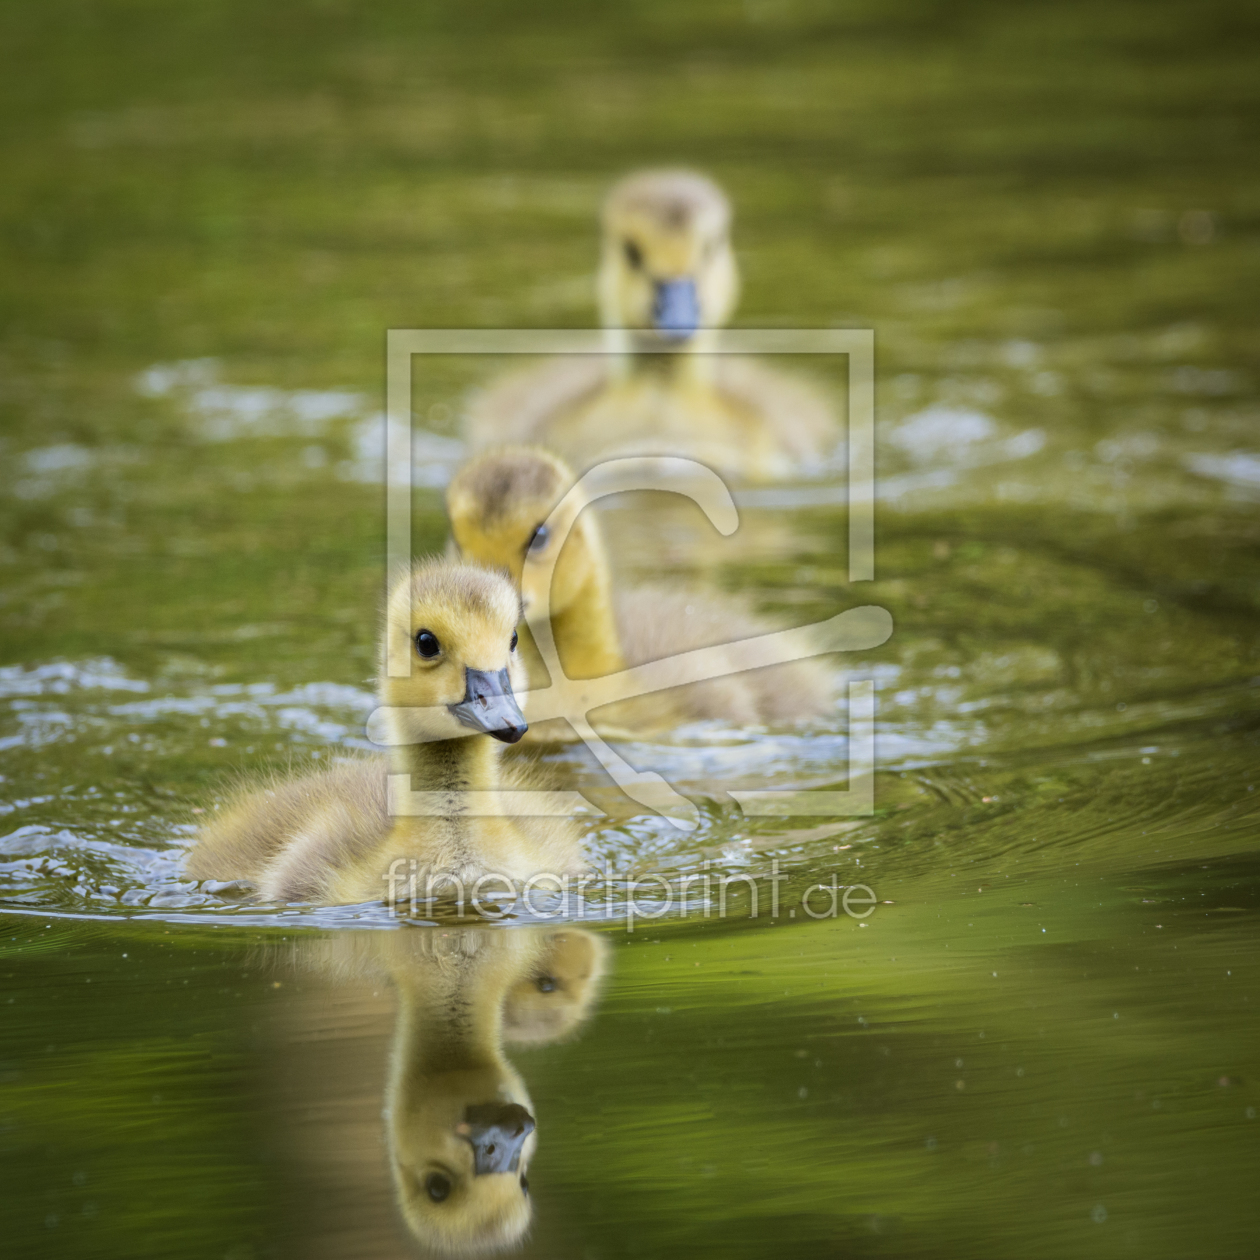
<point>449,765</point>
<point>450,1016</point>
<point>586,631</point>
<point>448,1040</point>
<point>691,364</point>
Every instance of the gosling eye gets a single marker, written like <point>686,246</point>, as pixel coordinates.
<point>437,1187</point>
<point>524,1185</point>
<point>512,645</point>
<point>545,984</point>
<point>427,644</point>
<point>634,255</point>
<point>538,539</point>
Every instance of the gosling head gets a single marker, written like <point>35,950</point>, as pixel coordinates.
<point>560,990</point>
<point>667,269</point>
<point>459,627</point>
<point>500,506</point>
<point>460,1160</point>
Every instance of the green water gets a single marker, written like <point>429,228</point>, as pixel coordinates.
<point>1043,1041</point>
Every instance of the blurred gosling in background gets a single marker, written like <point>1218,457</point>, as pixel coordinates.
<point>667,283</point>
<point>498,504</point>
<point>329,837</point>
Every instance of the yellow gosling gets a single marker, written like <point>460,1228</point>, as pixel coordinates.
<point>667,283</point>
<point>330,837</point>
<point>498,504</point>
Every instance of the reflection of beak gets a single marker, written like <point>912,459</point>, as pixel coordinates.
<point>676,309</point>
<point>489,705</point>
<point>497,1132</point>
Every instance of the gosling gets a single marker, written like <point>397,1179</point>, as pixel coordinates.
<point>667,283</point>
<point>331,837</point>
<point>499,504</point>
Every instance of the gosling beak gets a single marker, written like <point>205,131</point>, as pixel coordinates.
<point>489,705</point>
<point>497,1131</point>
<point>676,309</point>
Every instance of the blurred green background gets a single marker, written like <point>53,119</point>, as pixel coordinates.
<point>1049,214</point>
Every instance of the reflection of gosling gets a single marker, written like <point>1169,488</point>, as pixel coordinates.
<point>460,1123</point>
<point>330,837</point>
<point>558,989</point>
<point>497,505</point>
<point>667,283</point>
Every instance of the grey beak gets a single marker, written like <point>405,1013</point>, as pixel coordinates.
<point>676,309</point>
<point>497,1132</point>
<point>489,705</point>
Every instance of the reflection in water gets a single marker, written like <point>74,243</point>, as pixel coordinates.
<point>460,1126</point>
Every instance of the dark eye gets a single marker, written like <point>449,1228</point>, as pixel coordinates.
<point>538,539</point>
<point>546,984</point>
<point>524,1184</point>
<point>427,644</point>
<point>512,645</point>
<point>437,1187</point>
<point>634,255</point>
